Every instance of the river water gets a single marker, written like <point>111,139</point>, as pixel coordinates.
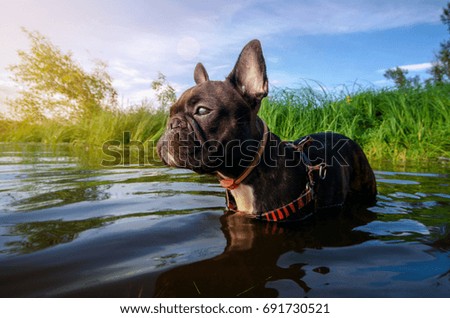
<point>70,230</point>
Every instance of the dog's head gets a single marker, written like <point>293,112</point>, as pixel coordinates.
<point>214,124</point>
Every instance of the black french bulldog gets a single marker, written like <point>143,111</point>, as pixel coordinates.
<point>214,128</point>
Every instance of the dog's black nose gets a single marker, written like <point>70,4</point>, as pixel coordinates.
<point>177,123</point>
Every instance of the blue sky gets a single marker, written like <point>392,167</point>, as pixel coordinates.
<point>333,42</point>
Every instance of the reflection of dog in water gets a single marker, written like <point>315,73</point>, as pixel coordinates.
<point>250,262</point>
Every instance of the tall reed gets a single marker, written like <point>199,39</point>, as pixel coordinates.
<point>390,124</point>
<point>411,123</point>
<point>141,122</point>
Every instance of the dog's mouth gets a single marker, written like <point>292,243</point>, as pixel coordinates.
<point>183,146</point>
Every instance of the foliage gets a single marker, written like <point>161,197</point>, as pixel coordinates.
<point>165,93</point>
<point>390,124</point>
<point>142,122</point>
<point>398,75</point>
<point>440,69</point>
<point>61,102</point>
<point>54,85</point>
<point>396,125</point>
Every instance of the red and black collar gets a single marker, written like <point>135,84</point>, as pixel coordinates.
<point>231,184</point>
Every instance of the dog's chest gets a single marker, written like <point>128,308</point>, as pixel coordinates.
<point>245,198</point>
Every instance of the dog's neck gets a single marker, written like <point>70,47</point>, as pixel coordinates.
<point>253,193</point>
<point>233,183</point>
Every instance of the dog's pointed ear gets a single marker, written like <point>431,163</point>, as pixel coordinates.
<point>200,74</point>
<point>249,74</point>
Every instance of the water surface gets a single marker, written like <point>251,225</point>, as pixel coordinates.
<point>70,230</point>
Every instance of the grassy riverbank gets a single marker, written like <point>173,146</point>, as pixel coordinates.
<point>398,125</point>
<point>411,124</point>
<point>143,123</point>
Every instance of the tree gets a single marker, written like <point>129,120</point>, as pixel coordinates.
<point>398,75</point>
<point>165,93</point>
<point>445,16</point>
<point>54,85</point>
<point>440,69</point>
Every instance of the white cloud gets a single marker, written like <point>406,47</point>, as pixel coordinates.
<point>382,83</point>
<point>188,48</point>
<point>416,67</point>
<point>419,67</point>
<point>334,17</point>
<point>140,38</point>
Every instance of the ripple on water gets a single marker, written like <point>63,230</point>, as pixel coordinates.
<point>130,231</point>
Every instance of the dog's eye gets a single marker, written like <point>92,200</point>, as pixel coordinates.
<point>201,111</point>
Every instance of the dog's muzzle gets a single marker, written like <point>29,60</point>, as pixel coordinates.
<point>182,145</point>
<point>173,146</point>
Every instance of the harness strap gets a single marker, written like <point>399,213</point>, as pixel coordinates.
<point>291,208</point>
<point>281,213</point>
<point>298,204</point>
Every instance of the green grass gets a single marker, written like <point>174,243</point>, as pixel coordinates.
<point>143,124</point>
<point>395,125</point>
<point>87,136</point>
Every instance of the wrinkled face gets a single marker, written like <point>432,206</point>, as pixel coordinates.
<point>213,124</point>
<point>206,125</point>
